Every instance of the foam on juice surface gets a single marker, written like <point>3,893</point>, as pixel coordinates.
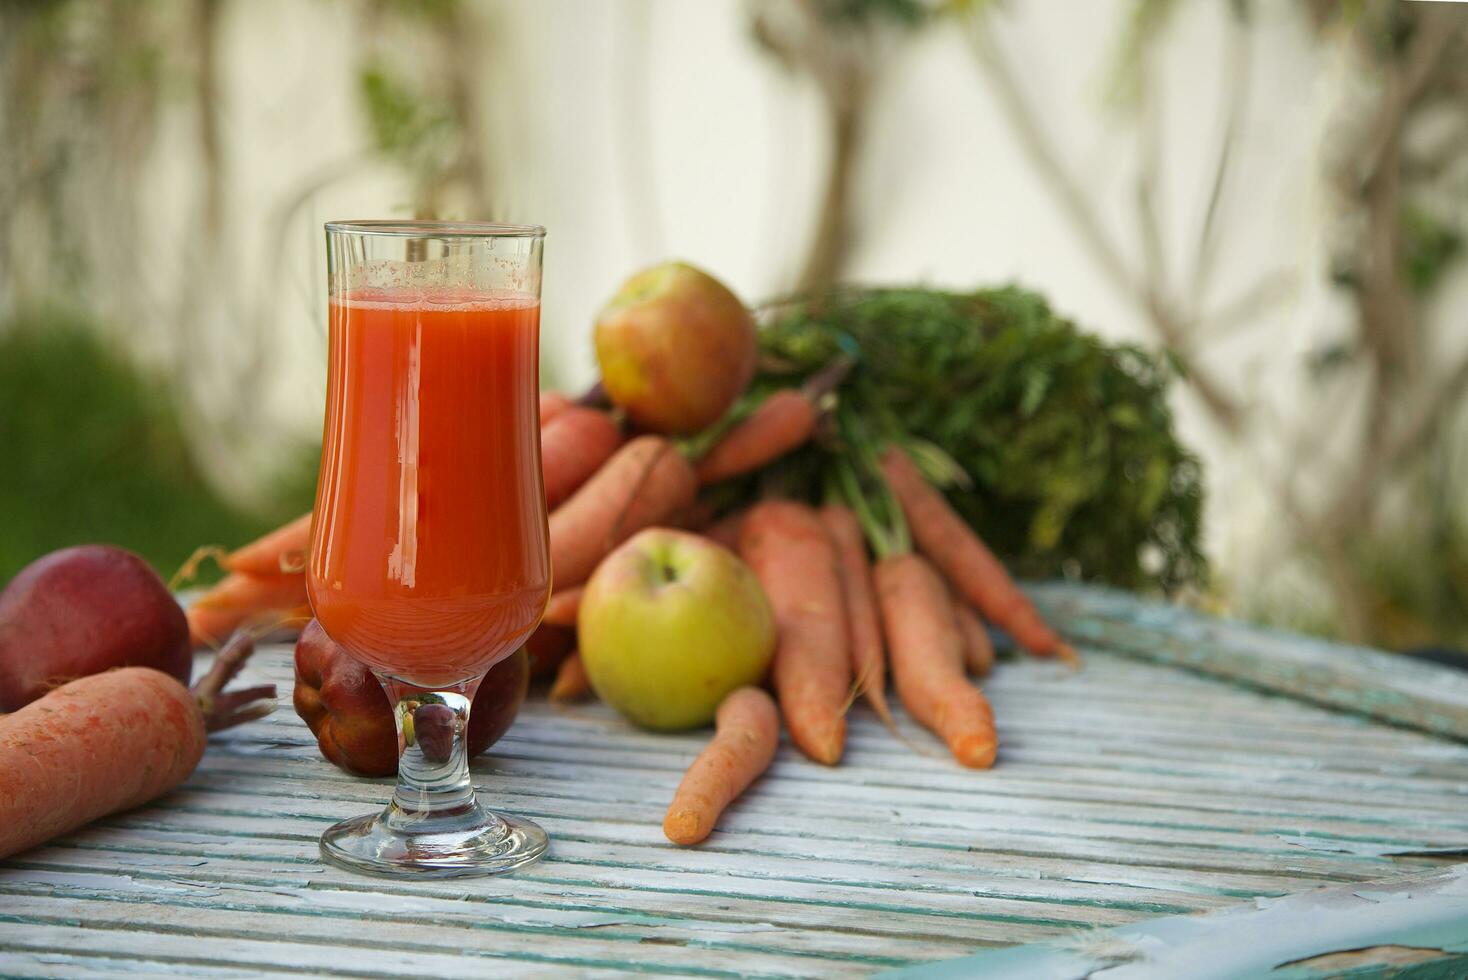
<point>448,299</point>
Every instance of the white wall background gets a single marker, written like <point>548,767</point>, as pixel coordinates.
<point>647,129</point>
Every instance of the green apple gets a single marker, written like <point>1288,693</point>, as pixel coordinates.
<point>669,624</point>
<point>676,348</point>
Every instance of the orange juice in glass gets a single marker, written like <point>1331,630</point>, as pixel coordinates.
<point>429,550</point>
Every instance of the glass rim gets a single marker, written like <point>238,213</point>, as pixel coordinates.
<point>433,229</point>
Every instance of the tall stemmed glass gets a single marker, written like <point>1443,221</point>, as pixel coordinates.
<point>429,551</point>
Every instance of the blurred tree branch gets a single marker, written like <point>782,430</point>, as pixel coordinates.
<point>425,113</point>
<point>1394,249</point>
<point>1145,288</point>
<point>840,45</point>
<point>1237,89</point>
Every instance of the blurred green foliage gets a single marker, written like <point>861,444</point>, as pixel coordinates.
<point>1069,442</point>
<point>1431,244</point>
<point>407,126</point>
<point>94,452</point>
<point>1418,582</point>
<point>907,13</point>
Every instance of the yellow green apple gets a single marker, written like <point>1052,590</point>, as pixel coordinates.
<point>675,347</point>
<point>669,624</point>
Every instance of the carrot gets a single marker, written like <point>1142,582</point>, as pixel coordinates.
<point>966,561</point>
<point>783,422</point>
<point>746,735</point>
<point>571,683</point>
<point>552,403</point>
<point>787,547</point>
<point>279,627</point>
<point>646,482</point>
<point>726,529</point>
<point>281,552</point>
<point>573,445</point>
<point>978,649</point>
<point>238,591</point>
<point>110,742</point>
<point>563,606</point>
<point>863,620</point>
<point>238,599</point>
<point>926,647</point>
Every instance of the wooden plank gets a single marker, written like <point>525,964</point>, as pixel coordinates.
<point>1301,937</point>
<point>438,927</point>
<point>1178,858</point>
<point>938,845</point>
<point>781,922</point>
<point>74,966</point>
<point>1394,689</point>
<point>158,949</point>
<point>1125,792</point>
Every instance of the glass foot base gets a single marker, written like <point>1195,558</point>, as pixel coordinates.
<point>473,842</point>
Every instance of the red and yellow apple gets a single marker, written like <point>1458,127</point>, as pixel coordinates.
<point>669,624</point>
<point>676,348</point>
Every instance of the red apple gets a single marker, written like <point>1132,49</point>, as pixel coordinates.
<point>84,610</point>
<point>348,712</point>
<point>676,348</point>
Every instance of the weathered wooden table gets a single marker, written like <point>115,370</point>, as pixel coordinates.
<point>1125,793</point>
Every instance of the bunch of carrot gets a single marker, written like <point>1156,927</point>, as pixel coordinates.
<point>915,605</point>
<point>845,616</point>
<point>651,481</point>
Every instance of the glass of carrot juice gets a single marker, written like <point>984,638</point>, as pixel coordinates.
<point>429,553</point>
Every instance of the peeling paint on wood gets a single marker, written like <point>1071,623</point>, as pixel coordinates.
<point>1406,920</point>
<point>1125,793</point>
<point>1394,689</point>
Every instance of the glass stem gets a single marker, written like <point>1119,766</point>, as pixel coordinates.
<point>433,756</point>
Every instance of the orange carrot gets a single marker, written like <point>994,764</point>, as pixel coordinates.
<point>239,599</point>
<point>926,647</point>
<point>726,529</point>
<point>238,591</point>
<point>646,482</point>
<point>110,742</point>
<point>783,422</point>
<point>571,683</point>
<point>552,403</point>
<point>863,619</point>
<point>978,649</point>
<point>746,735</point>
<point>563,606</point>
<point>966,561</point>
<point>281,552</point>
<point>573,446</point>
<point>791,554</point>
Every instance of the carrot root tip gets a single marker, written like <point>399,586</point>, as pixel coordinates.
<point>1067,655</point>
<point>829,749</point>
<point>976,751</point>
<point>684,827</point>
